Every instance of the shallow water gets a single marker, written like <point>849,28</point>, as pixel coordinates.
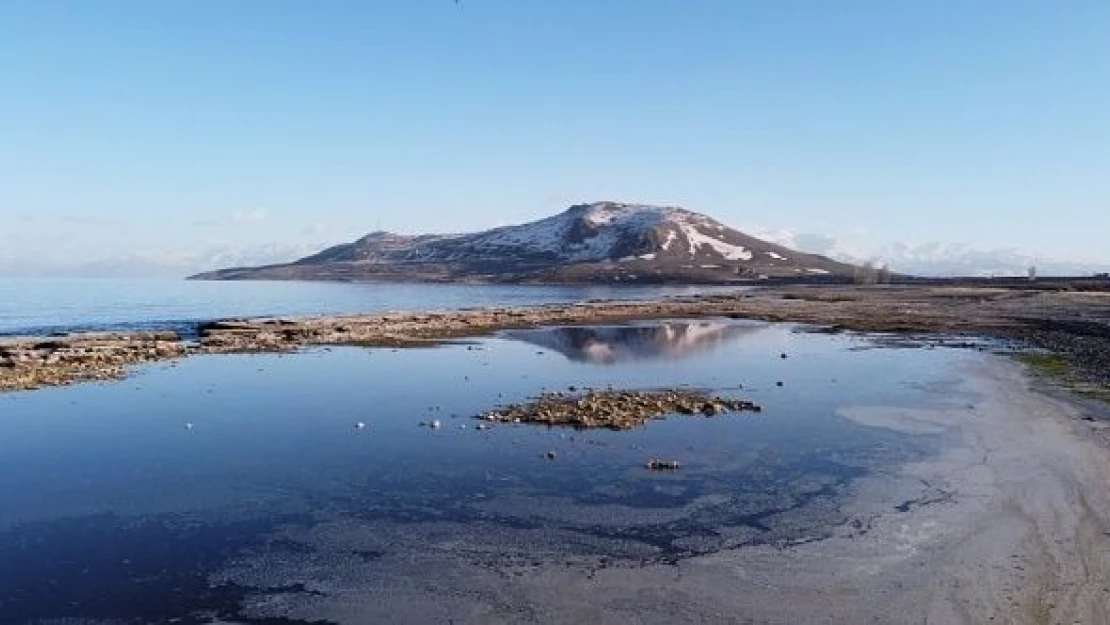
<point>113,508</point>
<point>44,306</point>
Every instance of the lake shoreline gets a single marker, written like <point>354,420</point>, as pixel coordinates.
<point>1073,324</point>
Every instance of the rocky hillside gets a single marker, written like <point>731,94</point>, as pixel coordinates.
<point>600,242</point>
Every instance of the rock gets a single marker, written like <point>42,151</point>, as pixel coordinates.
<point>550,455</point>
<point>615,410</point>
<point>711,409</point>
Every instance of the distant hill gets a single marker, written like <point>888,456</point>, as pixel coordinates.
<point>599,242</point>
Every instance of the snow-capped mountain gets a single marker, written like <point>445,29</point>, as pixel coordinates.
<point>603,241</point>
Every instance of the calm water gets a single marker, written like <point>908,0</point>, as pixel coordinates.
<point>43,306</point>
<point>112,508</point>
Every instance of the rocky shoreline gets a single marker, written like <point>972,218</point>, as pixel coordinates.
<point>1075,324</point>
<point>30,364</point>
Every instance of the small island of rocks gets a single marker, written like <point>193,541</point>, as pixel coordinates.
<point>615,410</point>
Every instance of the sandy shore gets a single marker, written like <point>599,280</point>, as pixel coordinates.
<point>1009,524</point>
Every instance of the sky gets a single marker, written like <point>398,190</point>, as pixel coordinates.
<point>142,136</point>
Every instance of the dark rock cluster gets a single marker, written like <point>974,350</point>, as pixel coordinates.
<point>615,410</point>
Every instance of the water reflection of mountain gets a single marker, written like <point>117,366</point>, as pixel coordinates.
<point>670,340</point>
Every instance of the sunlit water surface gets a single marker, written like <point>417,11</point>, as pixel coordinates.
<point>113,508</point>
<point>44,306</point>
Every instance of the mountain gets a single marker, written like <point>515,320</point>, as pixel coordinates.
<point>599,242</point>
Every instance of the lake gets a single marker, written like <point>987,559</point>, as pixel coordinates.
<point>44,306</point>
<point>238,489</point>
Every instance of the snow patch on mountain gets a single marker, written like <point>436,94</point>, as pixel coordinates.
<point>671,237</point>
<point>585,233</point>
<point>697,240</point>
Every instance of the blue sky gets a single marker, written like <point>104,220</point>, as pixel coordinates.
<point>178,129</point>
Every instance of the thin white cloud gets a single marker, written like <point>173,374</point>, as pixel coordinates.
<point>68,217</point>
<point>173,264</point>
<point>932,258</point>
<point>253,216</point>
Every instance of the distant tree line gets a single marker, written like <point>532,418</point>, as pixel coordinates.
<point>872,273</point>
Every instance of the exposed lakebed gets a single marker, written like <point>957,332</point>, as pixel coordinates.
<point>238,486</point>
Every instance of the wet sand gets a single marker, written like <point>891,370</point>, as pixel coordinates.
<point>1009,524</point>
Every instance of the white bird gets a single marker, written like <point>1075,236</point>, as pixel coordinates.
<point>435,424</point>
<point>360,425</point>
<point>189,426</point>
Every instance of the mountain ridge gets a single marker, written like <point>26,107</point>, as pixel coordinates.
<point>595,242</point>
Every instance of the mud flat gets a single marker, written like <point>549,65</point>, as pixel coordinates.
<point>1009,524</point>
<point>1074,324</point>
